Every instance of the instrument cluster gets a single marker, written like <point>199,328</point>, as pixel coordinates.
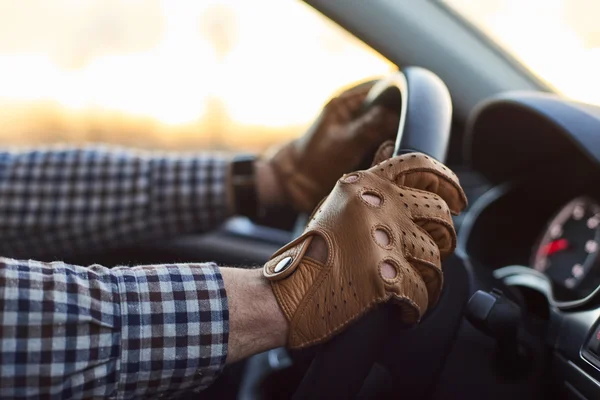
<point>567,251</point>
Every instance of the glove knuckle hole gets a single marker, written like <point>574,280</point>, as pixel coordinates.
<point>372,197</point>
<point>389,271</point>
<point>383,236</point>
<point>352,178</point>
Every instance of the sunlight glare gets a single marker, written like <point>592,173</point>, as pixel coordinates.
<point>538,34</point>
<point>225,70</point>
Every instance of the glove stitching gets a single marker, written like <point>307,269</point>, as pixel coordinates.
<point>440,221</point>
<point>432,266</point>
<point>439,174</point>
<point>439,274</point>
<point>314,212</point>
<point>325,271</point>
<point>303,306</point>
<point>405,299</point>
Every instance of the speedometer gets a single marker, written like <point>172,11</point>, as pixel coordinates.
<point>568,250</point>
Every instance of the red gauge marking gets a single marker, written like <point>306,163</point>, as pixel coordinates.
<point>555,246</point>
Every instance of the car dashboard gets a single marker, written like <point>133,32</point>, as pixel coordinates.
<point>537,229</point>
<point>548,233</point>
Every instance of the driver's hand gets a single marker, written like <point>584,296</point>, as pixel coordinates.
<point>338,141</point>
<point>380,235</point>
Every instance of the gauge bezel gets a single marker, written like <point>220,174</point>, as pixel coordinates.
<point>587,284</point>
<point>519,275</point>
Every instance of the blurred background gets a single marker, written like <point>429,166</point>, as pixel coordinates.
<point>184,74</point>
<point>227,74</point>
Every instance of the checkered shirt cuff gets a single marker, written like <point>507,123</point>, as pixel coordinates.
<point>144,332</point>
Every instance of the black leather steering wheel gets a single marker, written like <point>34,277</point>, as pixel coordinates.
<point>340,366</point>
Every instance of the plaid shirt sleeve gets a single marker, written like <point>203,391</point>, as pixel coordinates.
<point>62,201</point>
<point>70,332</point>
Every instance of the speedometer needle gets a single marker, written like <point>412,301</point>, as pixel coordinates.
<point>555,246</point>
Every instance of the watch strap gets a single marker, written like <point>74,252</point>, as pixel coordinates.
<point>243,182</point>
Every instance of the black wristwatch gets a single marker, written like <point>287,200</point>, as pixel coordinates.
<point>243,182</point>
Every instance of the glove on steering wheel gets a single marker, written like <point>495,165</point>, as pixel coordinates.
<point>386,231</point>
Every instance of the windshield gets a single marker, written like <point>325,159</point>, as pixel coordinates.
<point>558,40</point>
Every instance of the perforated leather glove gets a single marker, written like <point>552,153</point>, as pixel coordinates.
<point>386,231</point>
<point>338,141</point>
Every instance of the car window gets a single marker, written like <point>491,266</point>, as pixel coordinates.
<point>558,40</point>
<point>170,74</point>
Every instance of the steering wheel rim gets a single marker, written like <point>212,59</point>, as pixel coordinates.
<point>341,365</point>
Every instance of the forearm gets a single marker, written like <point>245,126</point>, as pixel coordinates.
<point>256,323</point>
<point>56,202</point>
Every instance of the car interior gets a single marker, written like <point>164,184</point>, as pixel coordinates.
<point>519,316</point>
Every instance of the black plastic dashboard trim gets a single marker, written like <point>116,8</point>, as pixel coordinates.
<point>519,275</point>
<point>515,132</point>
<point>569,326</point>
<point>474,212</point>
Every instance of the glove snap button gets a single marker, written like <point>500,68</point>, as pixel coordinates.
<point>283,264</point>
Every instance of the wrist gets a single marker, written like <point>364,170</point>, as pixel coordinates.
<point>275,320</point>
<point>253,187</point>
<point>256,322</point>
<point>268,188</point>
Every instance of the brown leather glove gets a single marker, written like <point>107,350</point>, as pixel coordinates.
<point>337,142</point>
<point>386,230</point>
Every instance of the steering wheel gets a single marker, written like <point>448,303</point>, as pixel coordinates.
<point>340,366</point>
